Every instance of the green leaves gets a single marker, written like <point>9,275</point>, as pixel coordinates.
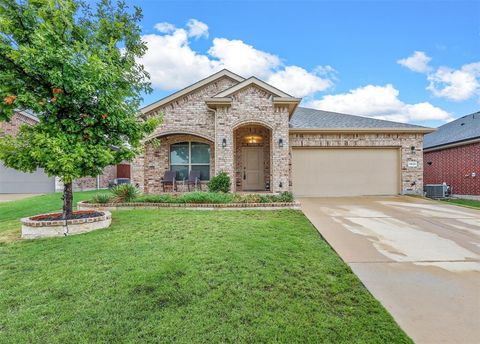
<point>76,69</point>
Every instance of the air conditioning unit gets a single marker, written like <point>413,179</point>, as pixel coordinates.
<point>436,190</point>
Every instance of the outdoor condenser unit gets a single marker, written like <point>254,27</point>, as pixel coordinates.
<point>436,190</point>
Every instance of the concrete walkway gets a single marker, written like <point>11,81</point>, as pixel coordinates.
<point>419,258</point>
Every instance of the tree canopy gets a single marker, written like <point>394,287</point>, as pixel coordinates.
<point>76,67</point>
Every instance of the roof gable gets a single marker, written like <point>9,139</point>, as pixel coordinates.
<point>249,82</point>
<point>462,129</point>
<point>191,88</point>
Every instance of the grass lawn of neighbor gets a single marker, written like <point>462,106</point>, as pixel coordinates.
<point>184,276</point>
<point>464,202</point>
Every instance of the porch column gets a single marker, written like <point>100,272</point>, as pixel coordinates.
<point>224,145</point>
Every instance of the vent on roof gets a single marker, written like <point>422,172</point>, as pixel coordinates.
<point>462,123</point>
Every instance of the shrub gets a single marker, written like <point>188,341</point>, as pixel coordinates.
<point>285,197</point>
<point>219,183</point>
<point>101,198</point>
<point>206,197</point>
<point>125,193</point>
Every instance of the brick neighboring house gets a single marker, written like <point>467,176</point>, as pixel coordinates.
<point>13,181</point>
<point>265,142</point>
<point>452,155</point>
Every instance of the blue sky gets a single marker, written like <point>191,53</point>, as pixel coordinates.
<point>340,56</point>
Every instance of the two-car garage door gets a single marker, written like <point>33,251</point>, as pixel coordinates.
<point>318,172</point>
<point>13,181</point>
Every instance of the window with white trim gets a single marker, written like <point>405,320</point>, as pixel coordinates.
<point>190,156</point>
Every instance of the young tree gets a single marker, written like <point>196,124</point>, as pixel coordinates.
<point>76,68</point>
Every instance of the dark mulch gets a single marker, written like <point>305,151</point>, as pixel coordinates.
<point>81,214</point>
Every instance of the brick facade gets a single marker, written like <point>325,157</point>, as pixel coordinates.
<point>251,109</point>
<point>252,105</point>
<point>13,127</point>
<point>411,177</point>
<point>157,161</point>
<point>457,166</point>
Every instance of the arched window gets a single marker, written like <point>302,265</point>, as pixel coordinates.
<point>190,156</point>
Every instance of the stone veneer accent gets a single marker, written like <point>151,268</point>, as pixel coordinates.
<point>404,141</point>
<point>157,161</point>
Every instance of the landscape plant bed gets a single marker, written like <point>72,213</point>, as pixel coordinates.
<point>81,214</point>
<point>133,205</point>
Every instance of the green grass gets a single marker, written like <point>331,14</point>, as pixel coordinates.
<point>464,202</point>
<point>183,276</point>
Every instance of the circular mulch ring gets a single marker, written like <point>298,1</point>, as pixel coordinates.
<point>80,214</point>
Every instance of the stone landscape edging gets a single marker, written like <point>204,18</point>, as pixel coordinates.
<point>83,205</point>
<point>33,229</point>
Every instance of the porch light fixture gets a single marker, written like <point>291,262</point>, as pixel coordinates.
<point>412,148</point>
<point>253,139</point>
<point>224,142</point>
<point>280,143</point>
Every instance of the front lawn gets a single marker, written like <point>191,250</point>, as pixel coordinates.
<point>464,202</point>
<point>183,276</point>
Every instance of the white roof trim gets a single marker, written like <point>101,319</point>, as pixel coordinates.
<point>360,130</point>
<point>252,81</point>
<point>191,88</point>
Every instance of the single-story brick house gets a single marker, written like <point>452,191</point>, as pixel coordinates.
<point>452,155</point>
<point>265,141</point>
<point>14,181</point>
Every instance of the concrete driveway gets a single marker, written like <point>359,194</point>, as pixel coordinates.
<point>419,258</point>
<point>15,197</point>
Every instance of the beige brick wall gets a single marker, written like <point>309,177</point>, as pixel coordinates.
<point>157,161</point>
<point>12,128</point>
<point>253,105</point>
<point>405,141</point>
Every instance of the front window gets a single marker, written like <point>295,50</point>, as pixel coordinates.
<point>190,156</point>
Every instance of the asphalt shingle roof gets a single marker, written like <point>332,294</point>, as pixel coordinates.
<point>461,129</point>
<point>311,118</point>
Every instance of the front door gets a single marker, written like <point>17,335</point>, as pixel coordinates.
<point>252,169</point>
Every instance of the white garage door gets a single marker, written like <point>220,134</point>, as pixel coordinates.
<point>345,171</point>
<point>13,181</point>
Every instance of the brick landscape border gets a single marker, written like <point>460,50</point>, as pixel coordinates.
<point>195,206</point>
<point>33,229</point>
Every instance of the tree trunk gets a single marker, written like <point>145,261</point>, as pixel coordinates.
<point>67,200</point>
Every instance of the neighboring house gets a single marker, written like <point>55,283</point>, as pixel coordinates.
<point>14,181</point>
<point>265,142</point>
<point>452,155</point>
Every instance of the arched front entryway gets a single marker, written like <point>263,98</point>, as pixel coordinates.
<point>252,157</point>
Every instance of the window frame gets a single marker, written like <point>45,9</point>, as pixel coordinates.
<point>189,164</point>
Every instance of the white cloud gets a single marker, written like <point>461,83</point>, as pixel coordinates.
<point>173,64</point>
<point>298,82</point>
<point>456,85</point>
<point>452,84</point>
<point>418,62</point>
<point>243,58</point>
<point>165,27</point>
<point>380,102</point>
<point>197,28</point>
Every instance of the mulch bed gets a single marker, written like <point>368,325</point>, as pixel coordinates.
<point>81,214</point>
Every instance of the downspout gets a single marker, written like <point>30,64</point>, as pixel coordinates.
<point>98,182</point>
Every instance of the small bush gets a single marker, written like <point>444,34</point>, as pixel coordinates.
<point>285,197</point>
<point>125,193</point>
<point>101,198</point>
<point>206,197</point>
<point>220,183</point>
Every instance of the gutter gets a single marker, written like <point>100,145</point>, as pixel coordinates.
<point>452,145</point>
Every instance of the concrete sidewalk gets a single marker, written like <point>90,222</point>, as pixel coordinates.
<point>419,258</point>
